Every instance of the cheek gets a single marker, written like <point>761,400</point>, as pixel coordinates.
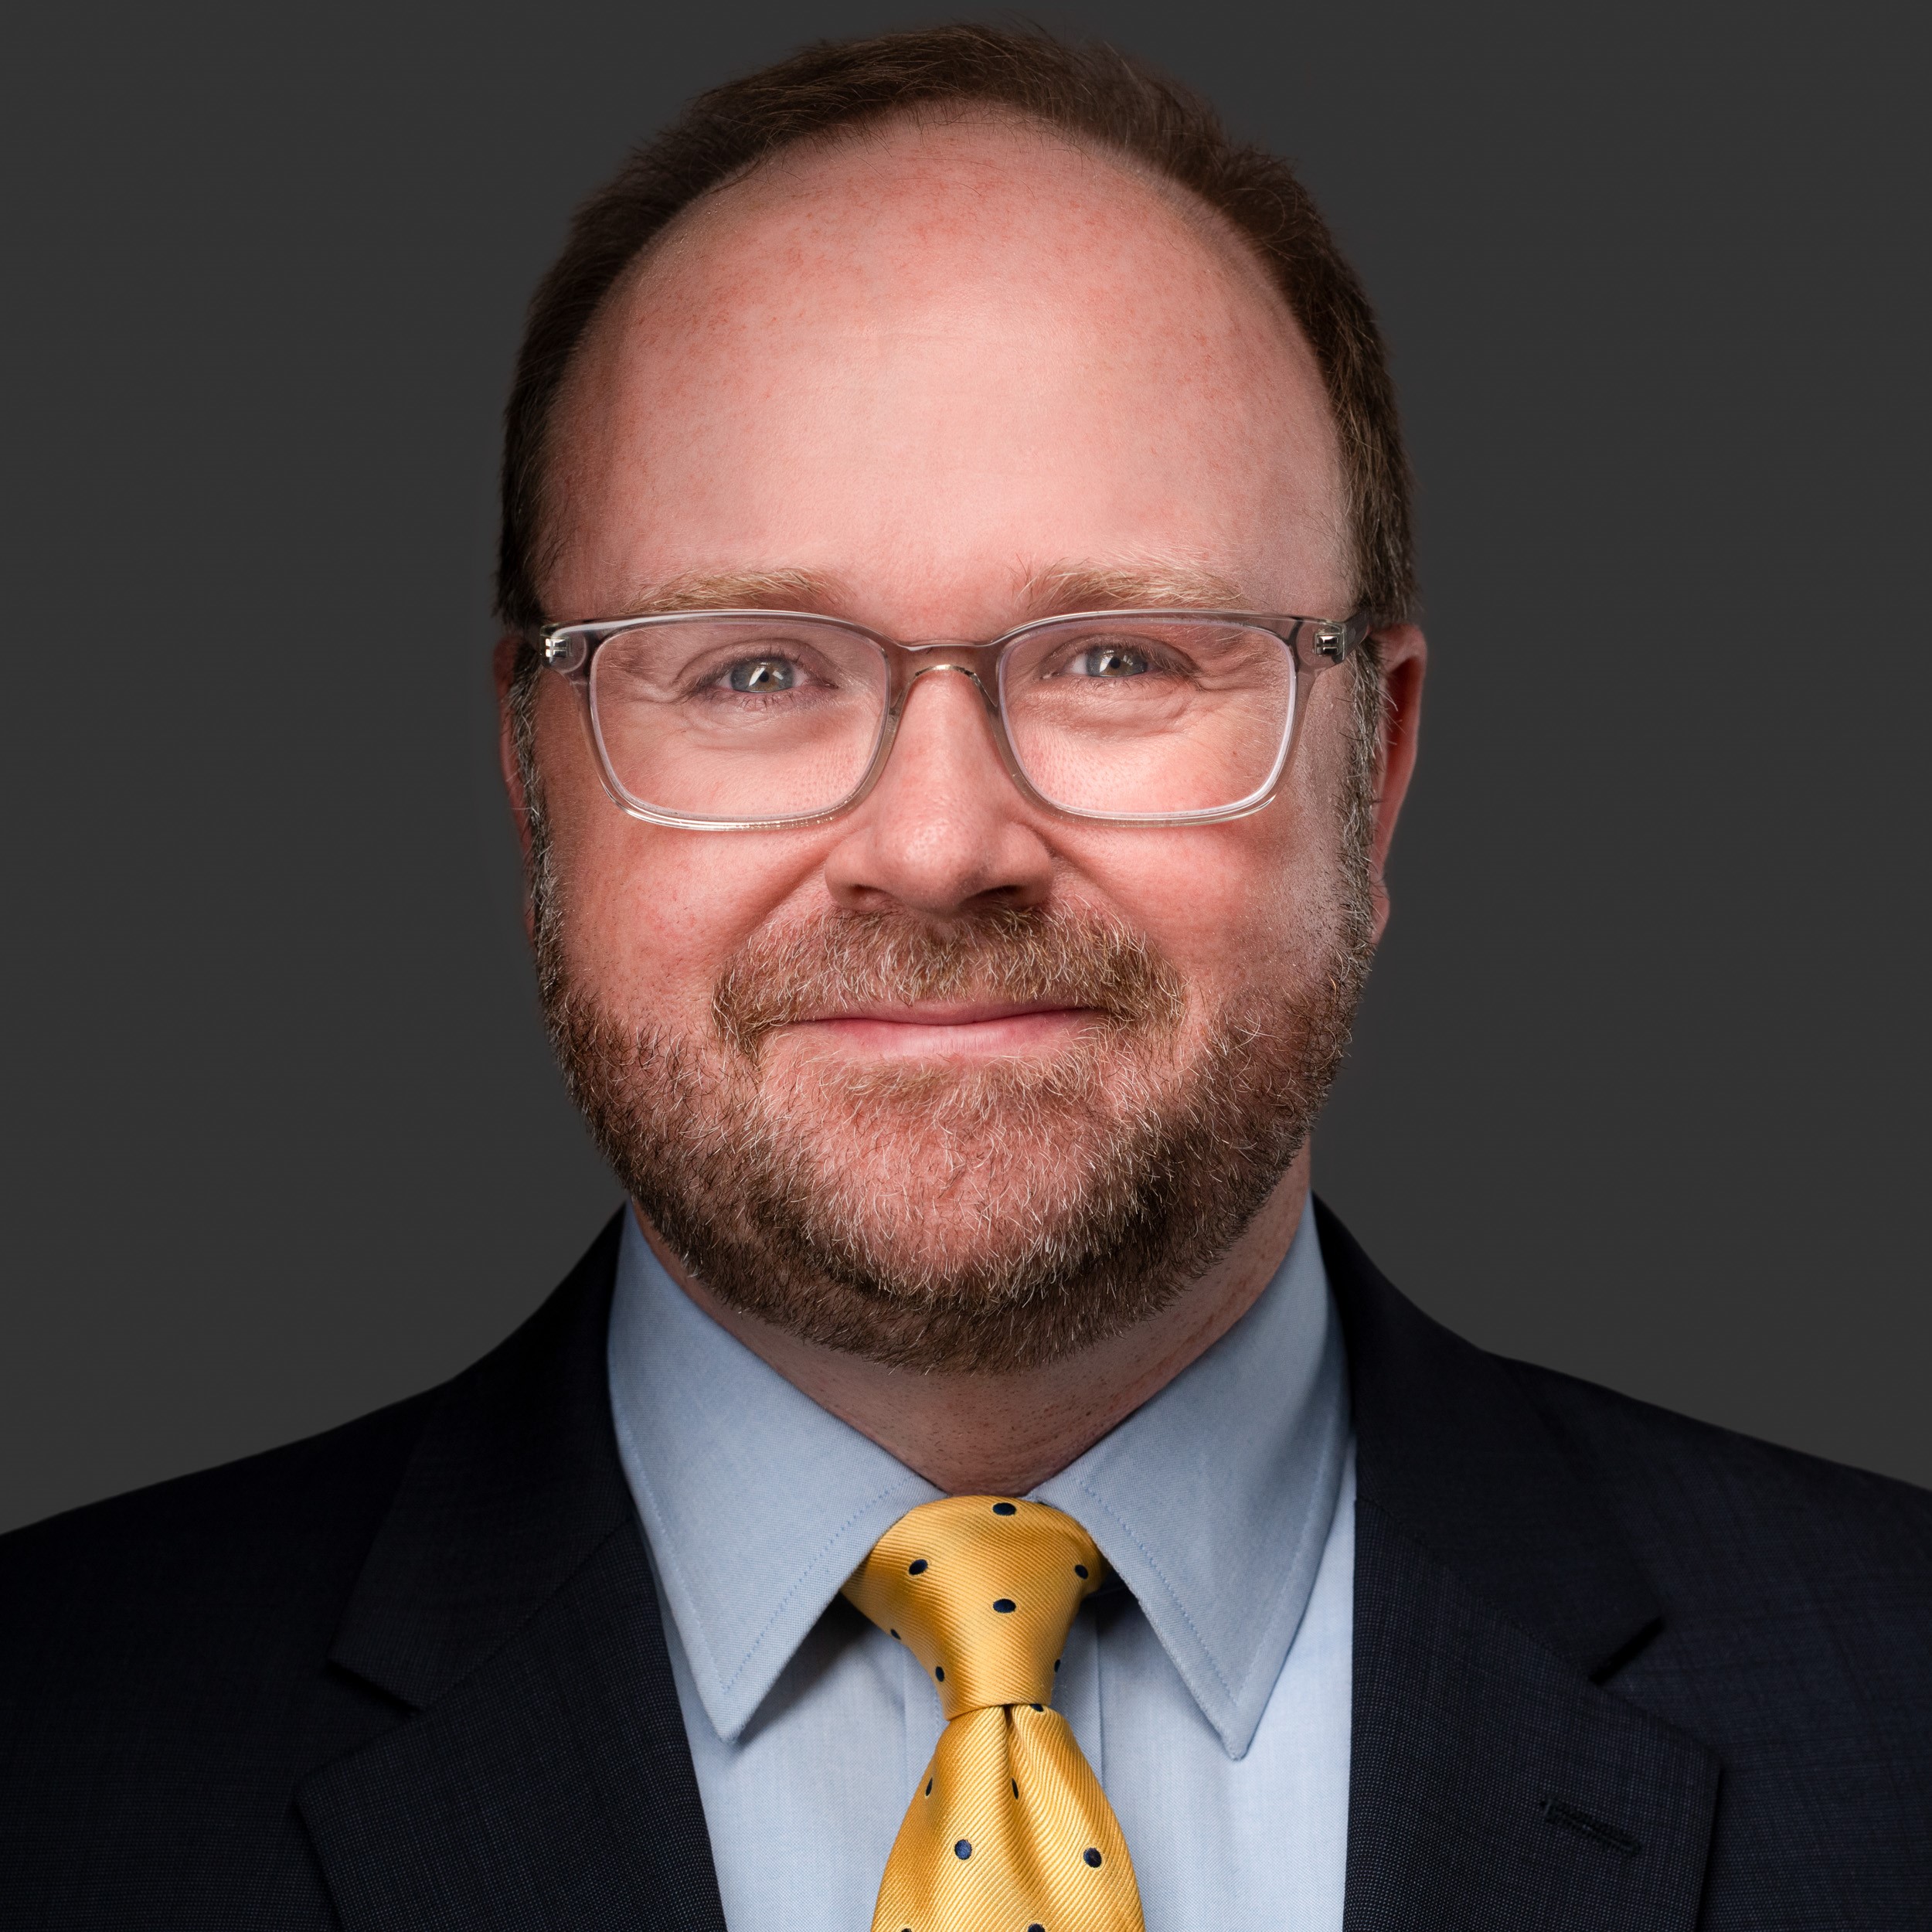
<point>1221,902</point>
<point>651,914</point>
<point>1252,902</point>
<point>638,928</point>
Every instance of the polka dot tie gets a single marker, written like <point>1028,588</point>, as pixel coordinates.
<point>1009,1830</point>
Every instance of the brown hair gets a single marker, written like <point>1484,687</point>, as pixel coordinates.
<point>1090,92</point>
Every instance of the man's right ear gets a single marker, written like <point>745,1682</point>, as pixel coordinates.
<point>503,664</point>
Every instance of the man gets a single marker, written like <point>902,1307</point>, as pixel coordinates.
<point>959,687</point>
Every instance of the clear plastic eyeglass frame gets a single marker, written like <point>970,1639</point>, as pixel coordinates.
<point>1314,644</point>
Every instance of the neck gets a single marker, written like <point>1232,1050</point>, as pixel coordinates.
<point>1005,1434</point>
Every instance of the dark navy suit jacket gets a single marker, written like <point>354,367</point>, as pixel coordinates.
<point>1612,1668</point>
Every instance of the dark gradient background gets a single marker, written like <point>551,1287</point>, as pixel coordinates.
<point>1638,1090</point>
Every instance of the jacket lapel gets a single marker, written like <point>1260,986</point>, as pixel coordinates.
<point>539,1774</point>
<point>1494,1777</point>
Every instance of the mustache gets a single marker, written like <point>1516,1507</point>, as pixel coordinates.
<point>1034,955</point>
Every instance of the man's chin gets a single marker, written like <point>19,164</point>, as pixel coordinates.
<point>1009,1122</point>
<point>954,1229</point>
<point>950,1218</point>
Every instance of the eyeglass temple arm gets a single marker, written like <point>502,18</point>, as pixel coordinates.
<point>1320,642</point>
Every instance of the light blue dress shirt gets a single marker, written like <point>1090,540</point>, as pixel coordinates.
<point>1211,1695</point>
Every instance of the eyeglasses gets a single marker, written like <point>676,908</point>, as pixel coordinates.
<point>743,720</point>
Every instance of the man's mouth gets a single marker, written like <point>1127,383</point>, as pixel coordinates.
<point>928,1029</point>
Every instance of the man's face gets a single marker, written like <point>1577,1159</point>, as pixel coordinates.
<point>950,1079</point>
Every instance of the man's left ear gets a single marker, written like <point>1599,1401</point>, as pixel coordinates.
<point>1404,660</point>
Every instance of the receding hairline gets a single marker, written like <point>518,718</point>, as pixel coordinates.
<point>1222,237</point>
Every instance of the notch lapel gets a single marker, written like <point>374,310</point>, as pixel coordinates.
<point>1495,1779</point>
<point>538,1774</point>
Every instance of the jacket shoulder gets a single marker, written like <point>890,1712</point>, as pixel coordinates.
<point>193,1566</point>
<point>163,1688</point>
<point>1699,1500</point>
<point>167,1658</point>
<point>1796,1595</point>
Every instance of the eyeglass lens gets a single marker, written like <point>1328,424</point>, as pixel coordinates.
<point>723,719</point>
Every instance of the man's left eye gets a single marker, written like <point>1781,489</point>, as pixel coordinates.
<point>1112,661</point>
<point>759,676</point>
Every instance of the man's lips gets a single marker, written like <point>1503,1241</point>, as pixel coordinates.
<point>943,1027</point>
<point>937,1012</point>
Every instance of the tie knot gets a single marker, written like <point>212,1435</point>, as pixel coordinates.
<point>982,1591</point>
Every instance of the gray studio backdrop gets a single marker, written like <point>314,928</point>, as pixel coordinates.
<point>1638,1090</point>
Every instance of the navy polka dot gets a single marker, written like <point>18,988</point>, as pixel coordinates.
<point>1079,1570</point>
<point>892,1633</point>
<point>1005,1509</point>
<point>1004,1603</point>
<point>916,1567</point>
<point>1031,1928</point>
<point>1057,1666</point>
<point>929,1787</point>
<point>1016,1787</point>
<point>939,1673</point>
<point>962,1850</point>
<point>1091,1856</point>
<point>1039,1707</point>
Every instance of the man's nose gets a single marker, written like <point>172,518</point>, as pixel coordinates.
<point>945,831</point>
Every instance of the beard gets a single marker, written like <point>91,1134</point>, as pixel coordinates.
<point>988,1217</point>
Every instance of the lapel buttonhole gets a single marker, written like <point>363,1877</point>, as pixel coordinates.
<point>1572,1818</point>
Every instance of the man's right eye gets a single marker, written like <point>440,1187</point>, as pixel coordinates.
<point>760,676</point>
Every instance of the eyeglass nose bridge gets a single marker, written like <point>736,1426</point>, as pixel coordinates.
<point>971,661</point>
<point>977,663</point>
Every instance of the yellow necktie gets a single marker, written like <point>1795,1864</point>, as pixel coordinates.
<point>1009,1830</point>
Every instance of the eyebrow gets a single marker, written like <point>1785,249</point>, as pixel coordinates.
<point>1161,584</point>
<point>1052,590</point>
<point>812,591</point>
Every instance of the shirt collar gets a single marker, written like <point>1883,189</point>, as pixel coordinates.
<point>1212,1502</point>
